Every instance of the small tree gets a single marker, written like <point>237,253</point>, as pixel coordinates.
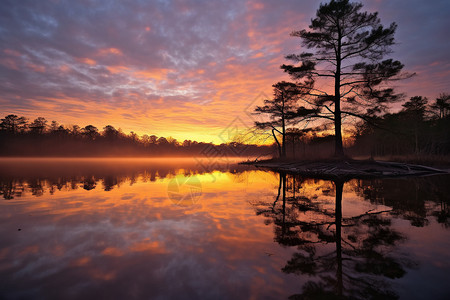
<point>38,125</point>
<point>110,133</point>
<point>414,111</point>
<point>294,136</point>
<point>442,105</point>
<point>416,106</point>
<point>90,131</point>
<point>13,124</point>
<point>75,131</point>
<point>348,50</point>
<point>54,126</point>
<point>282,109</point>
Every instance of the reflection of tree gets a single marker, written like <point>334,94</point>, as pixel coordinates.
<point>443,215</point>
<point>36,186</point>
<point>109,182</point>
<point>421,197</point>
<point>361,262</point>
<point>89,183</point>
<point>11,188</point>
<point>42,178</point>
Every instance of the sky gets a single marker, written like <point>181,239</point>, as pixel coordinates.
<point>190,69</point>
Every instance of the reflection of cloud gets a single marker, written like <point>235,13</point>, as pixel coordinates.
<point>133,236</point>
<point>161,61</point>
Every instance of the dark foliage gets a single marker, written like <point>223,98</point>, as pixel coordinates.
<point>348,49</point>
<point>18,137</point>
<point>418,129</point>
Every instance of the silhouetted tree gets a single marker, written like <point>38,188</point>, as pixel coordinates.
<point>145,140</point>
<point>54,126</point>
<point>349,47</point>
<point>62,131</point>
<point>133,136</point>
<point>442,105</point>
<point>186,143</point>
<point>294,136</point>
<point>416,105</point>
<point>109,132</point>
<point>75,130</point>
<point>13,124</point>
<point>414,111</point>
<point>281,110</point>
<point>90,131</point>
<point>38,125</point>
<point>162,141</point>
<point>172,141</point>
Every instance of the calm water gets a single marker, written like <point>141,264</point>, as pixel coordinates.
<point>184,229</point>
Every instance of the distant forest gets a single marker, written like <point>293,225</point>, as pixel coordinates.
<point>420,128</point>
<point>19,137</point>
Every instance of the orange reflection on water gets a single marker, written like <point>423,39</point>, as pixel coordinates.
<point>102,232</point>
<point>109,225</point>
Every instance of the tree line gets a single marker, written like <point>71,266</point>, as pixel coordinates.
<point>419,129</point>
<point>20,137</point>
<point>345,76</point>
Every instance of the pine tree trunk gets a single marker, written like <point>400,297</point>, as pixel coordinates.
<point>283,121</point>
<point>338,147</point>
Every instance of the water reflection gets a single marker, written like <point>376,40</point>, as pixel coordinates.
<point>39,176</point>
<point>418,197</point>
<point>108,229</point>
<point>353,254</point>
<point>131,241</point>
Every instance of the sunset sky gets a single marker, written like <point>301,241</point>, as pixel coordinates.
<point>181,68</point>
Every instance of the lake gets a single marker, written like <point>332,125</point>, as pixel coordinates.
<point>176,228</point>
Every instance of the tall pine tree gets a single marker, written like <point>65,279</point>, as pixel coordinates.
<point>348,49</point>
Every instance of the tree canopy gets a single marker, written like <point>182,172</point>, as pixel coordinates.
<point>282,110</point>
<point>348,49</point>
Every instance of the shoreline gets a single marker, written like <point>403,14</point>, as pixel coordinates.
<point>349,169</point>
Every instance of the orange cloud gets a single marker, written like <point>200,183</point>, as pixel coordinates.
<point>117,69</point>
<point>64,68</point>
<point>82,261</point>
<point>257,55</point>
<point>87,61</point>
<point>154,247</point>
<point>112,251</point>
<point>107,51</point>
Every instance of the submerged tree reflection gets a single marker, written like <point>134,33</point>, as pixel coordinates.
<point>351,257</point>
